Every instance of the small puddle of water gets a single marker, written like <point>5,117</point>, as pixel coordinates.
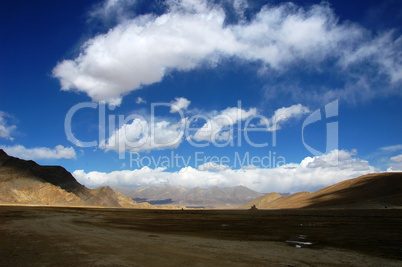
<point>299,241</point>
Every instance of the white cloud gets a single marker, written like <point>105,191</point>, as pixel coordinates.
<point>112,9</point>
<point>214,129</point>
<point>283,115</point>
<point>383,50</point>
<point>140,100</point>
<point>59,152</point>
<point>212,166</point>
<point>140,51</point>
<point>283,34</point>
<point>249,167</point>
<point>286,113</point>
<point>387,157</point>
<point>395,169</point>
<point>395,164</point>
<point>309,175</point>
<point>240,7</point>
<point>397,158</point>
<point>391,148</point>
<point>179,104</point>
<point>144,176</point>
<point>5,129</point>
<point>141,135</point>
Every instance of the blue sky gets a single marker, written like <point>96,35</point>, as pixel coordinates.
<point>203,93</point>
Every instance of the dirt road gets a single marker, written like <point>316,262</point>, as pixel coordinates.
<point>50,236</point>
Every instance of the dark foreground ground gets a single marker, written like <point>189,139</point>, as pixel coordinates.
<point>55,236</point>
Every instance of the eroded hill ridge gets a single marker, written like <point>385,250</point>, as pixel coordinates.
<point>26,182</point>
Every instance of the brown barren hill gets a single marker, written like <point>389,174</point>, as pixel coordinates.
<point>26,182</point>
<point>368,191</point>
<point>381,188</point>
<point>282,202</point>
<point>262,201</point>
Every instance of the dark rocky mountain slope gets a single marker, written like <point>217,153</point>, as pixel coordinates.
<point>26,182</point>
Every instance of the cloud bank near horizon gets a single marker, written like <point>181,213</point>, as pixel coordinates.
<point>140,51</point>
<point>20,151</point>
<point>311,174</point>
<point>59,152</point>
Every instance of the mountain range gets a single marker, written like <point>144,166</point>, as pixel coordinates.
<point>376,190</point>
<point>26,182</point>
<point>214,197</point>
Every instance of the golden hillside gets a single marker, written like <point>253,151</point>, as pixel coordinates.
<point>368,191</point>
<point>26,182</point>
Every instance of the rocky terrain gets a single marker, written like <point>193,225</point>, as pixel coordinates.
<point>26,182</point>
<point>214,197</point>
<point>377,190</point>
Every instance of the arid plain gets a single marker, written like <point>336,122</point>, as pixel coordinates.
<point>68,236</point>
<point>47,218</point>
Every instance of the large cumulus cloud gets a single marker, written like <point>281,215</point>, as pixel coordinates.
<point>142,50</point>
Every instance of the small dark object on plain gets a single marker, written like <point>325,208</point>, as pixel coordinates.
<point>253,207</point>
